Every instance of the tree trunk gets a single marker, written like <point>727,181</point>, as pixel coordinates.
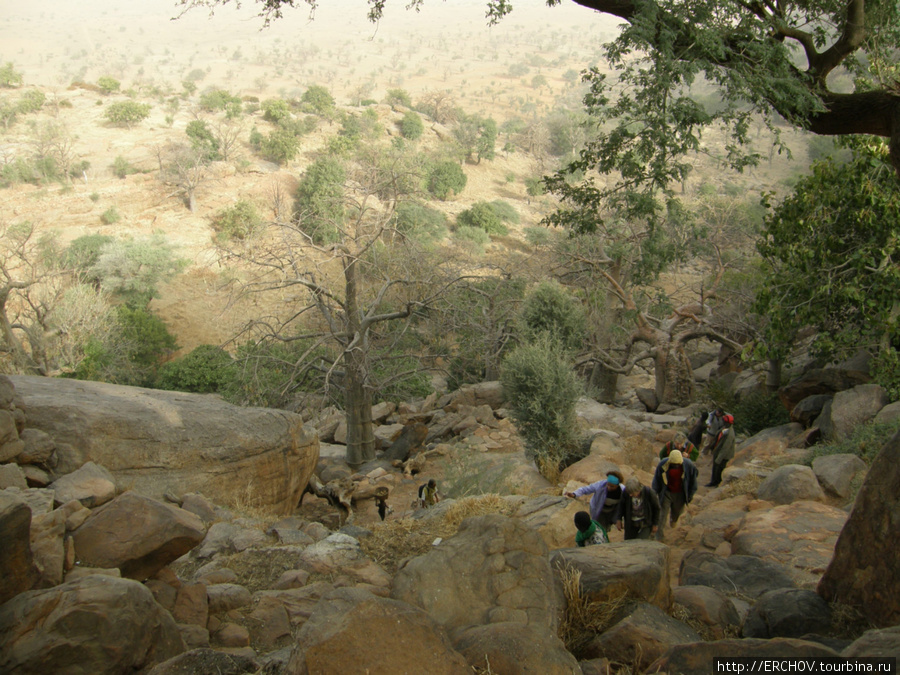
<point>357,395</point>
<point>773,375</point>
<point>358,404</point>
<point>604,382</point>
<point>674,375</point>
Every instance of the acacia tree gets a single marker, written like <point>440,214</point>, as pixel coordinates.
<point>359,280</point>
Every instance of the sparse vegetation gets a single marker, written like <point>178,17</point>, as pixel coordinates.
<point>127,113</point>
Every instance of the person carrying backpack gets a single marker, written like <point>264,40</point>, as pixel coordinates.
<point>722,450</point>
<point>589,532</point>
<point>681,443</point>
<point>428,494</point>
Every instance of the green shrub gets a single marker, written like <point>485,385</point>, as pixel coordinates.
<point>275,110</point>
<point>865,442</point>
<point>419,221</point>
<point>411,126</point>
<point>9,76</point>
<point>108,85</point>
<point>31,101</point>
<point>121,167</point>
<point>534,186</point>
<point>398,97</point>
<point>127,113</point>
<point>148,336</point>
<point>83,253</point>
<point>505,211</point>
<point>537,236</point>
<point>203,141</point>
<point>239,221</point>
<point>94,197</point>
<point>481,215</point>
<point>542,389</point>
<point>759,410</point>
<point>548,309</point>
<point>280,146</point>
<point>110,216</point>
<point>886,372</point>
<point>472,236</point>
<point>318,100</point>
<point>207,369</point>
<point>219,99</point>
<point>320,199</point>
<point>446,179</point>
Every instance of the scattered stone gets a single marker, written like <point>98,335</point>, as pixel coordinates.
<point>515,649</point>
<point>92,485</point>
<point>205,660</point>
<point>836,473</point>
<point>19,572</point>
<point>790,483</point>
<point>711,607</point>
<point>883,642</point>
<point>698,658</point>
<point>11,475</point>
<point>854,407</point>
<point>225,597</point>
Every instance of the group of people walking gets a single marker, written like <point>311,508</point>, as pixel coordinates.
<point>642,511</point>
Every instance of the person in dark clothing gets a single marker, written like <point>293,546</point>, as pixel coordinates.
<point>722,450</point>
<point>675,483</point>
<point>605,497</point>
<point>680,442</point>
<point>638,512</point>
<point>589,532</point>
<point>695,435</point>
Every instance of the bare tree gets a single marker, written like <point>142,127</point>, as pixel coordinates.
<point>363,279</point>
<point>184,169</point>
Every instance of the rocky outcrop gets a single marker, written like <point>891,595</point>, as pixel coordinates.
<point>697,658</point>
<point>159,441</point>
<point>353,631</point>
<point>790,483</point>
<point>836,473</point>
<point>787,612</point>
<point>820,381</point>
<point>19,572</point>
<point>737,574</point>
<point>137,535</point>
<point>855,406</point>
<point>103,624</point>
<point>514,649</point>
<point>864,570</point>
<point>638,569</point>
<point>494,570</point>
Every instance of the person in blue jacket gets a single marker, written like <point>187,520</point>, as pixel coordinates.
<point>605,497</point>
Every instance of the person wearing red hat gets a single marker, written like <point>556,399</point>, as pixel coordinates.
<point>722,450</point>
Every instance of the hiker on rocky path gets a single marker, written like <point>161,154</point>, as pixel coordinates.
<point>605,497</point>
<point>638,512</point>
<point>681,443</point>
<point>715,424</point>
<point>674,482</point>
<point>722,450</point>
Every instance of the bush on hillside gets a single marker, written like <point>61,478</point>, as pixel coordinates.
<point>548,309</point>
<point>482,216</point>
<point>239,221</point>
<point>207,369</point>
<point>542,389</point>
<point>446,179</point>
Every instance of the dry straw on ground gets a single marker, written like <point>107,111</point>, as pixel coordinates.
<point>584,618</point>
<point>395,540</point>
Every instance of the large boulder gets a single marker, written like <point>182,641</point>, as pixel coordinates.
<point>836,473</point>
<point>643,635</point>
<point>515,649</point>
<point>137,535</point>
<point>864,569</point>
<point>353,631</point>
<point>737,574</point>
<point>854,407</point>
<point>160,441</point>
<point>494,570</point>
<point>638,569</point>
<point>19,573</point>
<point>770,446</point>
<point>787,612</point>
<point>698,658</point>
<point>820,381</point>
<point>790,483</point>
<point>92,485</point>
<point>801,536</point>
<point>97,624</point>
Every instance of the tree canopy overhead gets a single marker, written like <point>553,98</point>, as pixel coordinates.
<point>773,57</point>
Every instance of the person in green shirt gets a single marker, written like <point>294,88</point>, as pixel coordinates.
<point>589,532</point>
<point>682,444</point>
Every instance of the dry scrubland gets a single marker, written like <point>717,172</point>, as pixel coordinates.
<point>522,68</point>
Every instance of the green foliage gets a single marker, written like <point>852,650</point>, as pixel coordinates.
<point>82,254</point>
<point>127,113</point>
<point>398,97</point>
<point>31,101</point>
<point>542,389</point>
<point>481,215</point>
<point>538,236</point>
<point>505,211</point>
<point>549,309</point>
<point>757,411</point>
<point>866,441</point>
<point>275,110</point>
<point>9,76</point>
<point>110,216</point>
<point>477,136</point>
<point>886,372</point>
<point>320,199</point>
<point>148,336</point>
<point>207,369</point>
<point>239,221</point>
<point>221,100</point>
<point>534,186</point>
<point>133,268</point>
<point>203,141</point>
<point>318,99</point>
<point>446,179</point>
<point>121,167</point>
<point>420,222</point>
<point>411,126</point>
<point>108,84</point>
<point>473,237</point>
<point>833,247</point>
<point>280,146</point>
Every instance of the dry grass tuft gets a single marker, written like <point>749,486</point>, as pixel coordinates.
<point>749,484</point>
<point>584,618</point>
<point>848,622</point>
<point>683,614</point>
<point>395,540</point>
